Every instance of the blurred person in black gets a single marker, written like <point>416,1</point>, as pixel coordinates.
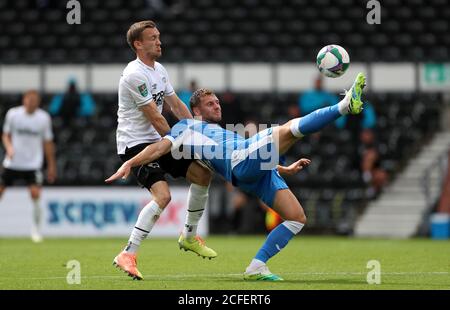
<point>369,159</point>
<point>72,104</point>
<point>232,112</point>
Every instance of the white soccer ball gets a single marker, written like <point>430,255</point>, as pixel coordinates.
<point>333,60</point>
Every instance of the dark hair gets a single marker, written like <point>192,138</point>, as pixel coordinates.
<point>198,95</point>
<point>135,31</point>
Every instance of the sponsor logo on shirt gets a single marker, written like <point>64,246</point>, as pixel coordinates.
<point>159,98</point>
<point>27,132</point>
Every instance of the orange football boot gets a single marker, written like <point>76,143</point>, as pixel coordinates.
<point>127,262</point>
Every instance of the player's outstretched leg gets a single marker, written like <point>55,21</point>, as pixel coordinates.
<point>293,130</point>
<point>320,118</point>
<point>287,205</point>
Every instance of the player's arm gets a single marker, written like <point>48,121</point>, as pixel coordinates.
<point>147,155</point>
<point>293,168</point>
<point>138,87</point>
<point>7,143</point>
<point>178,107</point>
<point>49,150</point>
<point>152,114</point>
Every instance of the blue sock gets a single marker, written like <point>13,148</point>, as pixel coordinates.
<point>316,120</point>
<point>276,240</point>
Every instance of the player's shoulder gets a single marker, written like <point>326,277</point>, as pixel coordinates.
<point>133,70</point>
<point>160,67</point>
<point>43,114</point>
<point>15,111</point>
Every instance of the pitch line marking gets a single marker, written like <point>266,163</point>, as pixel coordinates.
<point>222,275</point>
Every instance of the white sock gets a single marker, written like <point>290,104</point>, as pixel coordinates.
<point>295,125</point>
<point>293,226</point>
<point>254,264</point>
<point>197,199</point>
<point>36,223</point>
<point>144,224</point>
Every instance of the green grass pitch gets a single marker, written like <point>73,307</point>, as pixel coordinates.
<point>306,263</point>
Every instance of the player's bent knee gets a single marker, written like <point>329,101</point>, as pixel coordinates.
<point>299,217</point>
<point>199,175</point>
<point>204,178</point>
<point>35,192</point>
<point>302,219</point>
<point>163,200</point>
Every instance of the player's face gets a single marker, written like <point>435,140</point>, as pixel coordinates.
<point>150,43</point>
<point>210,109</point>
<point>31,102</point>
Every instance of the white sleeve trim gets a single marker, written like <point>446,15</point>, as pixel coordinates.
<point>170,138</point>
<point>171,93</point>
<point>145,102</point>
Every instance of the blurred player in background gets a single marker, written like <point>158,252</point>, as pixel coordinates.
<point>241,161</point>
<point>27,135</point>
<point>143,89</point>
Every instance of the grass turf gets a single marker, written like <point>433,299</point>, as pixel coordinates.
<point>306,263</point>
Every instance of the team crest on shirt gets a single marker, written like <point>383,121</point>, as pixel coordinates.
<point>143,90</point>
<point>164,79</point>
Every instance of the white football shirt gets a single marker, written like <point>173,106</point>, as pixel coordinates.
<point>138,86</point>
<point>28,134</point>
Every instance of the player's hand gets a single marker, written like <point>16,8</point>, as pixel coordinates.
<point>297,166</point>
<point>51,174</point>
<point>9,152</point>
<point>123,172</point>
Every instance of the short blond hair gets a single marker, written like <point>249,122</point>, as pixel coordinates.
<point>198,95</point>
<point>134,33</point>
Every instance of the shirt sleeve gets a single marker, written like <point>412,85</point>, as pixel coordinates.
<point>48,132</point>
<point>7,125</point>
<point>177,134</point>
<point>139,87</point>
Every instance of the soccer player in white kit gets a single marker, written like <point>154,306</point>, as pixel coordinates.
<point>143,89</point>
<point>27,134</point>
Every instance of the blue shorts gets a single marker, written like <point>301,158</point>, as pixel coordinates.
<point>255,171</point>
<point>265,187</point>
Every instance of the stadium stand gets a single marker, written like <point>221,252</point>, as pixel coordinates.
<point>292,32</point>
<point>332,191</point>
<point>242,31</point>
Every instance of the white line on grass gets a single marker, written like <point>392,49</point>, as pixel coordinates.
<point>224,275</point>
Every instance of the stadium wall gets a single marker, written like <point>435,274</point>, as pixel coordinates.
<point>282,77</point>
<point>91,212</point>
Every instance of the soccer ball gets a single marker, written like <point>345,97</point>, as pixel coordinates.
<point>333,60</point>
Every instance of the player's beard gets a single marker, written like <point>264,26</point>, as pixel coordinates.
<point>154,55</point>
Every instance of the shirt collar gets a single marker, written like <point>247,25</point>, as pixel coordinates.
<point>142,63</point>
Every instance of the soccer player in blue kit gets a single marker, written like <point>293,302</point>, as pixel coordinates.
<point>250,164</point>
